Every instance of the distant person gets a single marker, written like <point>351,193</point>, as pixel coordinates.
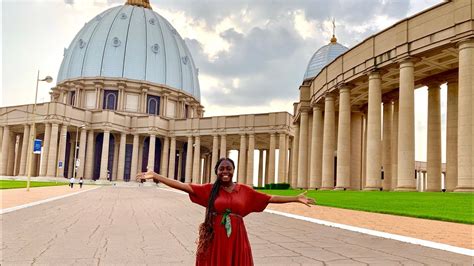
<point>80,182</point>
<point>223,238</point>
<point>71,182</point>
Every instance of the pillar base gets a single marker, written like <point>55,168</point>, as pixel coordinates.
<point>408,189</point>
<point>341,188</point>
<point>432,190</point>
<point>464,189</point>
<point>327,188</point>
<point>372,189</point>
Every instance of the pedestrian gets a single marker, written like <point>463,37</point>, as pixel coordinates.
<point>71,182</point>
<point>223,238</point>
<point>80,182</point>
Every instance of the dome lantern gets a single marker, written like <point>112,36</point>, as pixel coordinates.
<point>142,3</point>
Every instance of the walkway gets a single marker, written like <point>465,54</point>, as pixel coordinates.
<point>113,225</point>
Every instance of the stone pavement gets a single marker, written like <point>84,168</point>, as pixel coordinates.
<point>15,197</point>
<point>137,226</point>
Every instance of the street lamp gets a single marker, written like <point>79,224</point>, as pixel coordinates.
<point>48,79</point>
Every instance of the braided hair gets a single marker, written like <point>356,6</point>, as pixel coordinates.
<point>206,231</point>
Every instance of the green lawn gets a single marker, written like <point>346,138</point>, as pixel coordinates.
<point>6,184</point>
<point>453,207</point>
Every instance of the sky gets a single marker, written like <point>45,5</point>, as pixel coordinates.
<point>251,54</point>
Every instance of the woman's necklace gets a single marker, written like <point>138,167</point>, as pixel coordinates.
<point>230,187</point>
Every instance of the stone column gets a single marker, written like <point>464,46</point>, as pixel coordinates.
<point>394,145</point>
<point>62,151</point>
<point>466,117</point>
<point>267,163</point>
<point>82,153</point>
<point>5,148</point>
<point>343,171</point>
<point>121,157</point>
<point>104,159</point>
<point>282,151</point>
<point>303,151</point>
<point>165,156</point>
<point>356,149</point>
<point>44,159</point>
<point>172,159</point>
<point>242,159</point>
<point>387,144</point>
<point>294,157</point>
<point>452,135</point>
<point>223,152</point>
<point>151,153</point>
<point>180,163</point>
<point>271,160</point>
<point>329,143</point>
<point>189,160</point>
<point>374,162</point>
<point>316,148</point>
<point>12,156</point>
<point>134,166</point>
<point>406,128</point>
<point>89,162</point>
<point>115,161</point>
<point>215,155</point>
<point>260,168</point>
<point>197,161</point>
<point>24,150</point>
<point>250,160</point>
<point>434,138</point>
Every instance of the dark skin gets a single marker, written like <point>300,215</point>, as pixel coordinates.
<point>225,172</point>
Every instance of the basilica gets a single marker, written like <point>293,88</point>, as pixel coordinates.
<point>128,99</point>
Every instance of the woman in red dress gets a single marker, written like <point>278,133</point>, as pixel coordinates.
<point>222,236</point>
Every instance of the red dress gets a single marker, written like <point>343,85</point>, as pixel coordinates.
<point>233,250</point>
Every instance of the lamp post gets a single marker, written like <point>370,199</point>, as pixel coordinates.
<point>29,157</point>
<point>75,151</point>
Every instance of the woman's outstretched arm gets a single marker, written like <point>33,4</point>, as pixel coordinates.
<point>301,198</point>
<point>167,181</point>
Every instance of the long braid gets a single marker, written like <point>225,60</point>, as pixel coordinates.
<point>206,231</point>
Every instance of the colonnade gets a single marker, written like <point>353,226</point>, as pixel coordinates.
<point>388,146</point>
<point>198,160</point>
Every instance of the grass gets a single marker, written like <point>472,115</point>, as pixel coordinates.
<point>8,184</point>
<point>452,207</point>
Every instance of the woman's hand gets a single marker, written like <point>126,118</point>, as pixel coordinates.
<point>305,200</point>
<point>150,175</point>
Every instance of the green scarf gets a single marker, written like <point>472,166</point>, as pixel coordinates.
<point>226,222</point>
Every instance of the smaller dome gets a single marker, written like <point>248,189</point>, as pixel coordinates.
<point>323,57</point>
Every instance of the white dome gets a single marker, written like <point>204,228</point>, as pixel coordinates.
<point>131,42</point>
<point>323,57</point>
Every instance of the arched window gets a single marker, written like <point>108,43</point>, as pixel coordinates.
<point>153,105</point>
<point>110,100</point>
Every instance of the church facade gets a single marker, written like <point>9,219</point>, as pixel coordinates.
<point>128,99</point>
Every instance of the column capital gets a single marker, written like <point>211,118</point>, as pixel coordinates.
<point>329,96</point>
<point>344,87</point>
<point>318,106</point>
<point>375,74</point>
<point>407,61</point>
<point>466,43</point>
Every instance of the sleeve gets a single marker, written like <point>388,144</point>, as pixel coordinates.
<point>257,201</point>
<point>200,194</point>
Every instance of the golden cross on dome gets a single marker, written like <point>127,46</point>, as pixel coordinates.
<point>333,39</point>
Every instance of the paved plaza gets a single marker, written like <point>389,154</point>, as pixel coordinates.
<point>147,225</point>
